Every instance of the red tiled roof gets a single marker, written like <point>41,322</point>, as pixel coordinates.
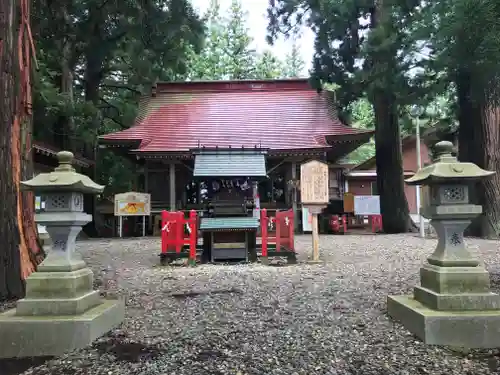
<point>279,115</point>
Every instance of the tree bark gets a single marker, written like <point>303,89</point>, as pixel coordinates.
<point>388,154</point>
<point>64,127</point>
<point>11,285</point>
<point>489,189</point>
<point>479,142</point>
<point>389,161</point>
<point>94,73</point>
<point>20,251</point>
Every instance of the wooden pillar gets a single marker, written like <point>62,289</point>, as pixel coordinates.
<point>288,187</point>
<point>294,196</point>
<point>315,238</point>
<point>146,177</point>
<point>146,190</point>
<point>172,186</point>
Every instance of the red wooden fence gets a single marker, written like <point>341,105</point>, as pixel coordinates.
<point>178,231</point>
<point>277,230</point>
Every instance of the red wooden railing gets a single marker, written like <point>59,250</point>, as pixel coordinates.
<point>278,230</point>
<point>178,231</point>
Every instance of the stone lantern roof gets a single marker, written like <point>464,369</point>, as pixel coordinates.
<point>63,178</point>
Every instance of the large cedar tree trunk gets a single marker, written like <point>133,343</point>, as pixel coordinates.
<point>479,142</point>
<point>389,160</point>
<point>388,153</point>
<point>93,77</point>
<point>20,251</point>
<point>64,127</point>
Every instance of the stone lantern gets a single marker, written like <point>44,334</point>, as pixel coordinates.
<point>453,305</point>
<point>61,311</point>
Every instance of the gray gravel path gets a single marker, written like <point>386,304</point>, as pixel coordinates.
<point>251,319</point>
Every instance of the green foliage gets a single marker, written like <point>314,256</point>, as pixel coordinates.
<point>269,66</point>
<point>464,43</point>
<point>464,36</point>
<point>362,117</point>
<point>211,61</point>
<point>294,64</point>
<point>227,51</point>
<point>96,57</point>
<point>367,48</point>
<point>241,57</point>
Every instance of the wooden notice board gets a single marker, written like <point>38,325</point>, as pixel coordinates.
<point>314,183</point>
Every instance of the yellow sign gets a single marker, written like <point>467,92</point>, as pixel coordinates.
<point>132,204</point>
<point>314,183</point>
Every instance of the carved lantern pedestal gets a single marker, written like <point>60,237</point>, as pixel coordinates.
<point>453,305</point>
<point>61,312</point>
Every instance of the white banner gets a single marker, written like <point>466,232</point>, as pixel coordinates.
<point>366,205</point>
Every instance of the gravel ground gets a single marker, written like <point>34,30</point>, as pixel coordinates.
<point>251,319</point>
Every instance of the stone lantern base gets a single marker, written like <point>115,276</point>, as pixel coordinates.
<point>61,312</point>
<point>453,306</point>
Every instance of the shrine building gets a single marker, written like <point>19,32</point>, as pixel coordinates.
<point>274,125</point>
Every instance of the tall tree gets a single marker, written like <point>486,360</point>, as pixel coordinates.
<point>212,61</point>
<point>241,55</point>
<point>227,52</point>
<point>20,251</point>
<point>348,32</point>
<point>96,59</point>
<point>105,53</point>
<point>465,45</point>
<point>294,64</point>
<point>268,66</point>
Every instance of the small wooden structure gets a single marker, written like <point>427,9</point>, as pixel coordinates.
<point>179,238</point>
<point>228,225</point>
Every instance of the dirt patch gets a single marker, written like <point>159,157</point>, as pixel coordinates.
<point>210,354</point>
<point>192,294</point>
<point>17,366</point>
<point>126,350</point>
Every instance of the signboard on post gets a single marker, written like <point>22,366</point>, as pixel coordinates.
<point>314,183</point>
<point>132,204</point>
<point>314,194</point>
<point>367,205</point>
